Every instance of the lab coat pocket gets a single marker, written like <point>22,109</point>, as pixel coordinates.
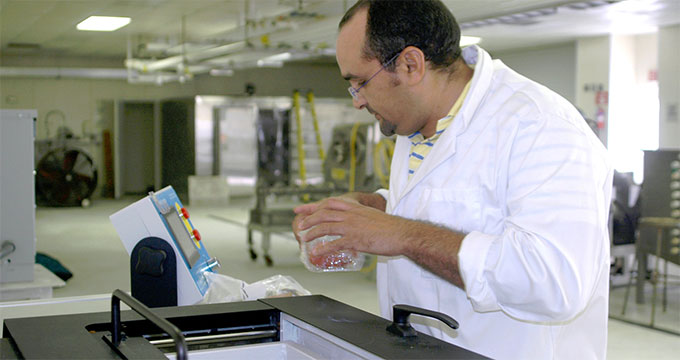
<point>456,209</point>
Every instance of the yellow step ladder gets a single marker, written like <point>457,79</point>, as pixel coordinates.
<point>303,149</point>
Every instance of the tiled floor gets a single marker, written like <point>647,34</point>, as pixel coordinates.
<point>665,318</point>
<point>86,243</point>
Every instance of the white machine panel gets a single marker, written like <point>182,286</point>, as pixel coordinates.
<point>17,195</point>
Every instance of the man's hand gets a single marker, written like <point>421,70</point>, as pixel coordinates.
<point>369,199</point>
<point>361,228</point>
<point>363,225</point>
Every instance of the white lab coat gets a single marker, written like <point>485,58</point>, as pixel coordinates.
<point>523,175</point>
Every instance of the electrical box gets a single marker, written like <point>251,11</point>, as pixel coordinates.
<point>17,195</point>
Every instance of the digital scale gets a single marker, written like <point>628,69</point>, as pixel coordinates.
<point>159,237</point>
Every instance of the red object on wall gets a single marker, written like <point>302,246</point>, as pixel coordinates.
<point>652,75</point>
<point>602,98</point>
<point>600,118</point>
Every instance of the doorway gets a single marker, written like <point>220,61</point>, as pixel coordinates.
<point>135,147</point>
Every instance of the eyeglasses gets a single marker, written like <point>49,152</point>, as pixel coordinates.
<point>355,92</point>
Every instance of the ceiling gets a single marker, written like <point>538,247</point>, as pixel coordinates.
<point>164,28</point>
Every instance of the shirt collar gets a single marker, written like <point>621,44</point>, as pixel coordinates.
<point>416,138</point>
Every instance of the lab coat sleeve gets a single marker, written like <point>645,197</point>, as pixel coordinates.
<point>546,263</point>
<point>383,192</point>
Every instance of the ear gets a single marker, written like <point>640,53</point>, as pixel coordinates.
<point>414,62</point>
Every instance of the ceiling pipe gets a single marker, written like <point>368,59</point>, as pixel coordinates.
<point>181,61</point>
<point>133,77</point>
<point>156,79</point>
<point>58,72</point>
<point>150,66</point>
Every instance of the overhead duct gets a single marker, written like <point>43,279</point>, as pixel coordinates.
<point>264,42</point>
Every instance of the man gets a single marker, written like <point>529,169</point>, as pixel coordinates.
<point>499,192</point>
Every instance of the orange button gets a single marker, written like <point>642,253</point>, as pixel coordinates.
<point>185,213</point>
<point>197,235</point>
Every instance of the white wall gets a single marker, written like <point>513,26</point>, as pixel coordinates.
<point>76,98</point>
<point>669,87</point>
<point>634,101</point>
<point>553,66</point>
<point>80,99</point>
<point>592,75</point>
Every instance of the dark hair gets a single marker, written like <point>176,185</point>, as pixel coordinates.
<point>393,25</point>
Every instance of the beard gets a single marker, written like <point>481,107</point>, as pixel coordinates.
<point>387,128</point>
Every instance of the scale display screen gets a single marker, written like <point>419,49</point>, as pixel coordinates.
<point>184,240</point>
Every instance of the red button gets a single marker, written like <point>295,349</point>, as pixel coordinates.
<point>185,213</point>
<point>197,235</point>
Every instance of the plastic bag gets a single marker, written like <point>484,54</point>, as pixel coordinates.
<point>275,286</point>
<point>224,288</point>
<point>344,260</point>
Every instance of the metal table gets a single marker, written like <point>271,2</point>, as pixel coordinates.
<point>661,250</point>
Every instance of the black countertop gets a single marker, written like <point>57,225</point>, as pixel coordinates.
<point>79,336</point>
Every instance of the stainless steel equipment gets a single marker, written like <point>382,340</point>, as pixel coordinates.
<point>226,132</point>
<point>349,164</point>
<point>273,212</point>
<point>224,136</point>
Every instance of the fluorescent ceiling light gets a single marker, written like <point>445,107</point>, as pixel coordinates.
<point>268,63</point>
<point>221,72</point>
<point>279,57</point>
<point>469,40</point>
<point>103,23</point>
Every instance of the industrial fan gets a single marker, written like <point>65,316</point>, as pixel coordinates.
<point>66,177</point>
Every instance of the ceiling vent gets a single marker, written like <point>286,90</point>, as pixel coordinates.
<point>535,16</point>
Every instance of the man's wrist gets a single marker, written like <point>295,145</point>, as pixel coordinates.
<point>373,200</point>
<point>432,247</point>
